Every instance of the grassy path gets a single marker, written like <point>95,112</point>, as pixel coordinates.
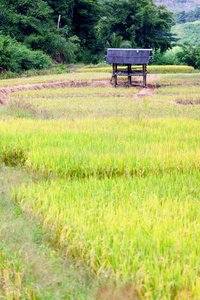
<point>29,266</point>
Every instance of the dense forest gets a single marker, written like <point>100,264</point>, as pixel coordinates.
<point>36,34</point>
<point>69,31</point>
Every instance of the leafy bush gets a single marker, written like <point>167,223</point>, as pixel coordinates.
<point>190,55</point>
<point>55,45</point>
<point>170,57</point>
<point>5,54</point>
<point>26,59</point>
<point>15,56</point>
<point>87,57</point>
<point>185,54</point>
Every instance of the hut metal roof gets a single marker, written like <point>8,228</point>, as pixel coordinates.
<point>128,56</point>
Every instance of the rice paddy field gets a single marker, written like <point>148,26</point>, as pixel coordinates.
<point>119,173</point>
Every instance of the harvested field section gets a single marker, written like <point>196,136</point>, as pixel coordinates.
<point>188,102</point>
<point>73,77</point>
<point>143,105</point>
<point>77,91</point>
<point>178,79</point>
<point>179,90</point>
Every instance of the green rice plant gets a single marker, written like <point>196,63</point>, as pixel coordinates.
<point>143,231</point>
<point>13,155</point>
<point>150,69</point>
<point>110,147</point>
<point>12,280</point>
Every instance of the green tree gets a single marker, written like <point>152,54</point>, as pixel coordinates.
<point>141,22</point>
<point>85,19</point>
<point>65,8</point>
<point>32,23</point>
<point>20,18</point>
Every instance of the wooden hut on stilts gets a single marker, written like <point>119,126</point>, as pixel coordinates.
<point>129,57</point>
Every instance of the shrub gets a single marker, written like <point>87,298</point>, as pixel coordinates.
<point>16,57</point>
<point>190,55</point>
<point>5,54</point>
<point>26,59</point>
<point>87,57</point>
<point>170,57</point>
<point>55,45</point>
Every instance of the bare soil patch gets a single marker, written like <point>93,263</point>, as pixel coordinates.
<point>188,102</point>
<point>127,293</point>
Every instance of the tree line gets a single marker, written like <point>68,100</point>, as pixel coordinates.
<point>86,28</point>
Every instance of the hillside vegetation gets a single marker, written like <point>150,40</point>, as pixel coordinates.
<point>187,33</point>
<point>178,5</point>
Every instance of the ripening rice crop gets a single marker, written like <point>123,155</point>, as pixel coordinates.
<point>124,199</point>
<point>110,147</point>
<point>121,193</point>
<point>150,69</point>
<point>97,102</point>
<point>143,230</point>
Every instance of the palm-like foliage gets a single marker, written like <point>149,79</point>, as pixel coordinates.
<point>116,41</point>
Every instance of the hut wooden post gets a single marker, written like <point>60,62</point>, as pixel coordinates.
<point>129,75</point>
<point>144,75</point>
<point>114,74</point>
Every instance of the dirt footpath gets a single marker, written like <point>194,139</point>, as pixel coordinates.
<point>7,91</point>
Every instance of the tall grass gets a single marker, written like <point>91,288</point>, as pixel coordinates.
<point>179,90</point>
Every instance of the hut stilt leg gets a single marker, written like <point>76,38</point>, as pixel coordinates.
<point>114,74</point>
<point>129,76</point>
<point>144,75</point>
